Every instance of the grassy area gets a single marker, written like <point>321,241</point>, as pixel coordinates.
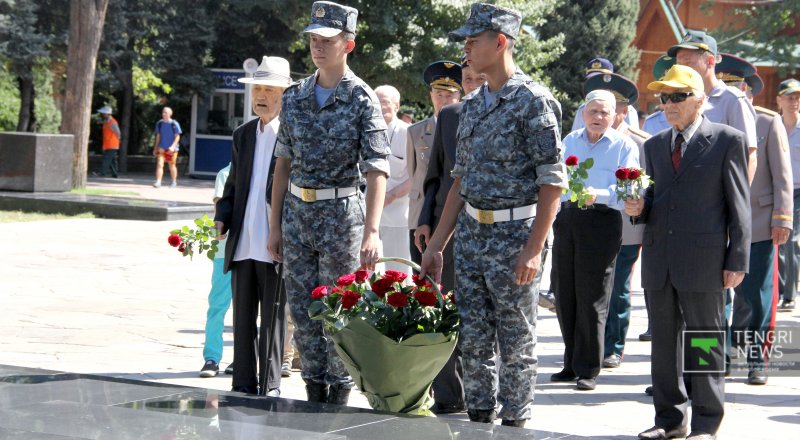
<point>19,216</point>
<point>103,192</point>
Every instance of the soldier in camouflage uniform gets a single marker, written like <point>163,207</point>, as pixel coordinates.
<point>332,132</point>
<point>507,182</point>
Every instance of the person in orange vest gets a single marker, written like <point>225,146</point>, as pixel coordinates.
<point>111,137</point>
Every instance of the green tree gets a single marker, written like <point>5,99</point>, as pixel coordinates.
<point>591,28</point>
<point>771,34</point>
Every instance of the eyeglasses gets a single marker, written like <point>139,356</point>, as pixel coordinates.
<point>676,97</point>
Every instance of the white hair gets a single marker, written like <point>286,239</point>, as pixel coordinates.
<point>389,91</point>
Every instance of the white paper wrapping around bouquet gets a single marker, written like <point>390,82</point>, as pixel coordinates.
<point>394,376</point>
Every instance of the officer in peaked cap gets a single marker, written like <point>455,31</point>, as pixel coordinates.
<point>656,122</point>
<point>623,89</point>
<point>485,17</point>
<point>507,180</point>
<point>329,19</point>
<point>444,83</point>
<point>443,75</point>
<point>598,65</point>
<point>754,85</point>
<point>594,67</point>
<point>695,40</point>
<point>731,68</point>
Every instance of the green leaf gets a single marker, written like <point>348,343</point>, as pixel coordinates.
<point>317,310</point>
<point>589,163</point>
<point>198,222</point>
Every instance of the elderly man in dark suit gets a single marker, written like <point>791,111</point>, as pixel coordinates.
<point>696,244</point>
<point>242,212</point>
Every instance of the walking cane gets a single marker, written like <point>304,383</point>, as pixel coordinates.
<point>271,339</point>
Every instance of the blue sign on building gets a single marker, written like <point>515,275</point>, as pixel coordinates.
<point>229,80</point>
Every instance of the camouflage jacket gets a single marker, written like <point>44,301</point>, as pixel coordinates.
<point>504,153</point>
<point>333,145</point>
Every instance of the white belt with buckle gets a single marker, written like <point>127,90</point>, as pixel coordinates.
<point>487,217</point>
<point>312,195</point>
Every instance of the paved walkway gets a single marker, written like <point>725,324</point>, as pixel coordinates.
<point>111,297</point>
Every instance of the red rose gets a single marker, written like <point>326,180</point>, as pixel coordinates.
<point>349,299</point>
<point>622,173</point>
<point>395,276</point>
<point>571,161</point>
<point>319,292</point>
<point>634,173</point>
<point>397,299</point>
<point>336,289</point>
<point>381,286</point>
<point>346,280</point>
<point>174,240</point>
<point>361,276</point>
<point>426,297</point>
<point>419,282</point>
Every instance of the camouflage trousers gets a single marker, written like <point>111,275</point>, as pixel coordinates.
<point>321,241</point>
<point>496,313</point>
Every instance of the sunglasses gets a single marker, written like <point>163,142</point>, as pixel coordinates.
<point>674,97</point>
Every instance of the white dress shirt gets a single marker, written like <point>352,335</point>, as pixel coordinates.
<point>255,227</point>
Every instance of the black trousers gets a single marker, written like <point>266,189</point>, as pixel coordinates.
<point>255,287</point>
<point>584,253</point>
<point>676,311</point>
<point>448,386</point>
<point>416,255</point>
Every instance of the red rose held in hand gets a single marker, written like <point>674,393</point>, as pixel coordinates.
<point>419,281</point>
<point>571,161</point>
<point>319,292</point>
<point>395,276</point>
<point>634,173</point>
<point>381,286</point>
<point>361,276</point>
<point>346,280</point>
<point>349,299</point>
<point>622,173</point>
<point>397,299</point>
<point>174,240</point>
<point>426,297</point>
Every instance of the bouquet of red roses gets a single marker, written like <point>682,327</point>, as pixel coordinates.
<point>392,337</point>
<point>576,172</point>
<point>631,182</point>
<point>190,241</point>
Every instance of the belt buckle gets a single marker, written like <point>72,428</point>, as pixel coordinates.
<point>308,194</point>
<point>485,217</point>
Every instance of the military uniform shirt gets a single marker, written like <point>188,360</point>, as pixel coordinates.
<point>334,145</point>
<point>794,151</point>
<point>655,123</point>
<point>506,151</point>
<point>729,106</point>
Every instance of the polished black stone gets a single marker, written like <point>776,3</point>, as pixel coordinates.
<point>35,162</point>
<point>126,208</point>
<point>39,404</point>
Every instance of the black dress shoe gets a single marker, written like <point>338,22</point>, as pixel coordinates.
<point>448,408</point>
<point>338,394</point>
<point>612,361</point>
<point>656,433</point>
<point>229,369</point>
<point>482,415</point>
<point>646,336</point>
<point>274,392</point>
<point>786,306</point>
<point>757,377</point>
<point>246,390</point>
<point>563,376</point>
<point>586,384</point>
<point>515,423</point>
<point>649,390</point>
<point>316,392</point>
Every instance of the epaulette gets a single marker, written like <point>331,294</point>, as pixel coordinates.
<point>765,111</point>
<point>641,133</point>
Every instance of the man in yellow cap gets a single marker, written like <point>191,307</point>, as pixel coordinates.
<point>696,244</point>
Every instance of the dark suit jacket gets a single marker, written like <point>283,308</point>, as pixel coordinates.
<point>443,158</point>
<point>698,219</point>
<point>230,208</point>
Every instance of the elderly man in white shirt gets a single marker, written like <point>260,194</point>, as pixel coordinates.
<point>394,220</point>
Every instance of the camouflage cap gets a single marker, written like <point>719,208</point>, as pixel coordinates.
<point>329,19</point>
<point>486,17</point>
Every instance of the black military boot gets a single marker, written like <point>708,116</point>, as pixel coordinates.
<point>482,415</point>
<point>338,394</point>
<point>316,392</point>
<point>515,423</point>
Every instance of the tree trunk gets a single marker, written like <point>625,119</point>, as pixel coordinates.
<point>126,113</point>
<point>27,115</point>
<point>86,18</point>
